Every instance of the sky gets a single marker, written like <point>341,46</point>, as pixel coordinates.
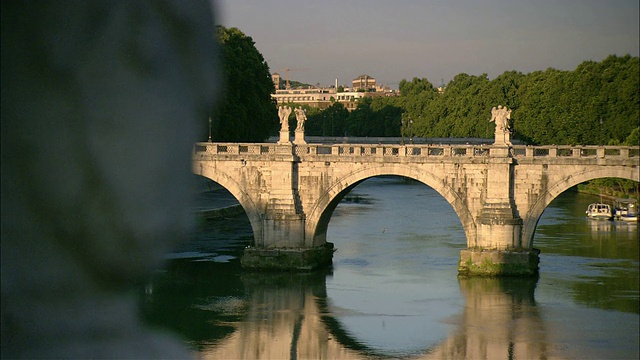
<point>392,40</point>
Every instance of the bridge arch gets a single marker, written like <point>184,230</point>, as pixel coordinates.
<point>533,215</point>
<point>318,219</point>
<point>238,192</point>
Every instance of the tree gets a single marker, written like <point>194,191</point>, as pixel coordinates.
<point>634,138</point>
<point>328,122</point>
<point>359,121</point>
<point>549,107</point>
<point>418,102</point>
<point>595,104</point>
<point>388,114</point>
<point>245,111</point>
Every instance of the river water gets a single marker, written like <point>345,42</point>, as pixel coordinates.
<point>393,290</point>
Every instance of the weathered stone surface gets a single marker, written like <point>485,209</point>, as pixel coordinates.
<point>481,262</point>
<point>298,259</point>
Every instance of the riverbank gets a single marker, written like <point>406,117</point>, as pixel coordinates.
<point>608,192</point>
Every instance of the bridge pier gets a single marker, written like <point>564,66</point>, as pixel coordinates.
<point>282,246</point>
<point>487,262</point>
<point>499,250</point>
<point>288,259</point>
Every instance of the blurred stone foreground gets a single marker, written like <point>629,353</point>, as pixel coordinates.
<point>99,107</point>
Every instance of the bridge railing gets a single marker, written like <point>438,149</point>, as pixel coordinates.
<point>587,151</point>
<point>233,149</point>
<point>414,150</point>
<point>206,148</point>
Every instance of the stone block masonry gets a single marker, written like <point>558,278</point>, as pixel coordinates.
<point>289,192</point>
<point>288,259</point>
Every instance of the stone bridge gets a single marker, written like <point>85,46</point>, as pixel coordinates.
<point>290,190</point>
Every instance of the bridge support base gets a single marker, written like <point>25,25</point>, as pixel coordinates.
<point>298,259</point>
<point>481,262</point>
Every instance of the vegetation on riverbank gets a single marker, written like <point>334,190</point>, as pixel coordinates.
<point>612,188</point>
<point>597,103</point>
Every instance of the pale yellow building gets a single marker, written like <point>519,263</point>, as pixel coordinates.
<point>324,97</point>
<point>363,83</point>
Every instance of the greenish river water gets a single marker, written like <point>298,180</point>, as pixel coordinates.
<point>393,291</point>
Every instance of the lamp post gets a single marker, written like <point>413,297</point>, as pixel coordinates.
<point>410,126</point>
<point>209,128</point>
<point>402,131</point>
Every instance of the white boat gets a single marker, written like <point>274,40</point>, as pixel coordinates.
<point>599,211</point>
<point>625,210</point>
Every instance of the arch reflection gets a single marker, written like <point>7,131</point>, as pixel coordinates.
<point>226,313</point>
<point>288,316</point>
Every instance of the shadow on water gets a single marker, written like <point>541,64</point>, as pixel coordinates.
<point>192,299</point>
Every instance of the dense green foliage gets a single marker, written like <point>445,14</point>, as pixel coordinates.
<point>329,122</point>
<point>611,187</point>
<point>597,103</point>
<point>374,117</point>
<point>379,117</point>
<point>245,111</point>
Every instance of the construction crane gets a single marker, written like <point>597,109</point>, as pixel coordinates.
<point>286,70</point>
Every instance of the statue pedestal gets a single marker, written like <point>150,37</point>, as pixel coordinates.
<point>284,137</point>
<point>299,137</point>
<point>498,151</point>
<point>502,138</point>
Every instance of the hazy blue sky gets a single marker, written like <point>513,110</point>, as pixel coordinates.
<point>393,40</point>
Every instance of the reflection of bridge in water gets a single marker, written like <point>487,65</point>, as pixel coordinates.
<point>289,191</point>
<point>288,317</point>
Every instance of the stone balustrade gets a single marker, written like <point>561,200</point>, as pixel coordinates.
<point>417,151</point>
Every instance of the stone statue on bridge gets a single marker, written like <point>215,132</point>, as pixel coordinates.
<point>299,133</point>
<point>501,115</point>
<point>283,113</point>
<point>301,117</point>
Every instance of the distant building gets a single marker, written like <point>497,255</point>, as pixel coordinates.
<point>349,99</point>
<point>364,83</point>
<point>314,97</point>
<point>324,97</point>
<point>276,78</point>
